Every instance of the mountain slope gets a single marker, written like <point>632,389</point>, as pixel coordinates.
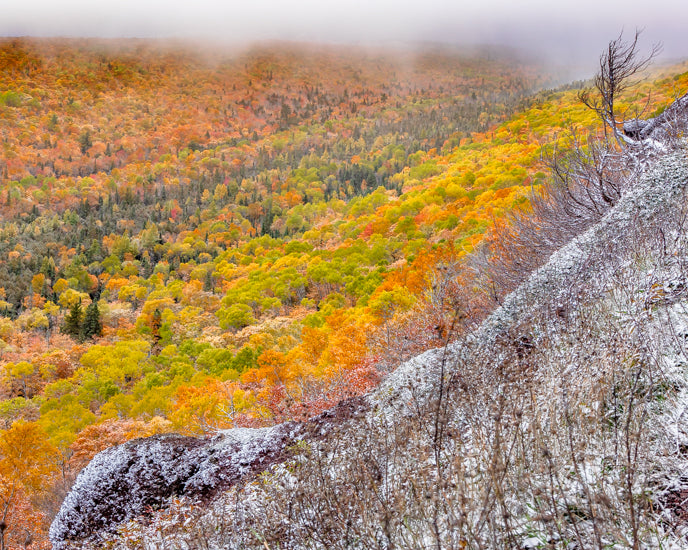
<point>558,423</point>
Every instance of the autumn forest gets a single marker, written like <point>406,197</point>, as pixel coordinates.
<point>193,240</point>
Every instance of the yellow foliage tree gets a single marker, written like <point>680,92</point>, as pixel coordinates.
<point>27,464</point>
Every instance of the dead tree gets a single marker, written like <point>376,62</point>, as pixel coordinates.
<point>618,65</point>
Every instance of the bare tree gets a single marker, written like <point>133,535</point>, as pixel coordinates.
<point>618,65</point>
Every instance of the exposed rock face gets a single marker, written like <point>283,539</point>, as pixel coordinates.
<point>134,476</point>
<point>132,479</point>
<point>127,480</point>
<point>662,126</point>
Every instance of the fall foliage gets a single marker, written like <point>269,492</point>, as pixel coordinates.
<point>194,243</point>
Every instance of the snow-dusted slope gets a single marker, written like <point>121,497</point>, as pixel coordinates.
<point>130,479</point>
<point>579,263</point>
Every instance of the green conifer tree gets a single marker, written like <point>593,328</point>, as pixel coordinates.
<point>72,321</point>
<point>92,325</point>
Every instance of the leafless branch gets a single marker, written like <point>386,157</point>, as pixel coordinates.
<point>618,65</point>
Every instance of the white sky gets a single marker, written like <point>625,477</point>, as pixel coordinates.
<point>559,28</point>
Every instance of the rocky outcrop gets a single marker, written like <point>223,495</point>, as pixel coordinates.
<point>134,476</point>
<point>661,127</point>
<point>127,480</point>
<point>138,477</point>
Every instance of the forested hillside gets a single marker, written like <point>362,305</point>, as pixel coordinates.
<point>191,242</point>
<point>557,422</point>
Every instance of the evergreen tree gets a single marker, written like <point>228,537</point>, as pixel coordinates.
<point>72,321</point>
<point>85,141</point>
<point>208,282</point>
<point>92,325</point>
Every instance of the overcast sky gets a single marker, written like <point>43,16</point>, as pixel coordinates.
<point>561,28</point>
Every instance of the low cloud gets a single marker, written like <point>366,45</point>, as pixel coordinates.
<point>568,32</point>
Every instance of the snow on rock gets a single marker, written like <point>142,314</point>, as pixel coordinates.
<point>128,480</point>
<point>238,452</point>
<point>661,126</point>
<point>657,188</point>
<point>133,479</point>
<point>125,480</point>
<point>413,382</point>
